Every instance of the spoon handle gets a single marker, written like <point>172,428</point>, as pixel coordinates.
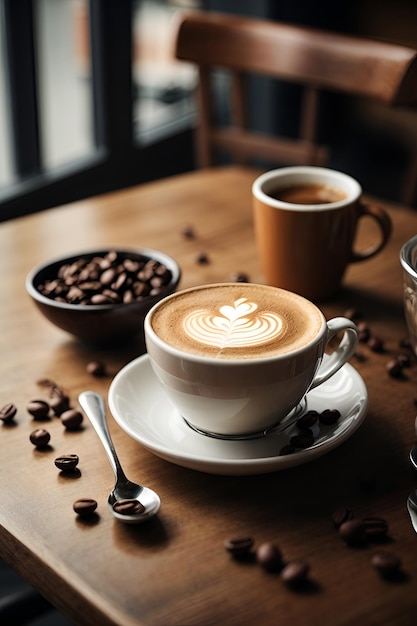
<point>93,405</point>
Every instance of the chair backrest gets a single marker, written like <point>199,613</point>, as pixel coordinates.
<point>317,60</point>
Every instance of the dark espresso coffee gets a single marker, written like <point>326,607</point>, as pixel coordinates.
<point>310,193</point>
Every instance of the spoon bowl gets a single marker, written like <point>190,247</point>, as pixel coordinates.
<point>129,503</point>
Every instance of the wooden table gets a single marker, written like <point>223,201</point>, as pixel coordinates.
<point>174,570</point>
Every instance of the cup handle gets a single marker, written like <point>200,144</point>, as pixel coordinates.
<point>342,353</point>
<point>384,223</point>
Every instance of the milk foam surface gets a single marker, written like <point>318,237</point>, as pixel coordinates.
<point>236,321</point>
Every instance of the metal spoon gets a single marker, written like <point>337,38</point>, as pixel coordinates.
<point>124,489</point>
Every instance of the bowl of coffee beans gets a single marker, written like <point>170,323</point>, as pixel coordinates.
<point>102,296</point>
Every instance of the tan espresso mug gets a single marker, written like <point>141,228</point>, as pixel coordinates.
<point>305,221</point>
<point>236,358</point>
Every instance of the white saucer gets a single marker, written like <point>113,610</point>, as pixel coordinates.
<point>140,406</point>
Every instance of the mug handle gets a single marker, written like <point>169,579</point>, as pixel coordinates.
<point>384,223</point>
<point>342,353</point>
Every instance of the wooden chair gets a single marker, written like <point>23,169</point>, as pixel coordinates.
<point>319,61</point>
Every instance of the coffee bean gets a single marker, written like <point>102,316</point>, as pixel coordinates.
<point>40,437</point>
<point>353,314</point>
<point>72,419</point>
<point>295,572</point>
<point>329,417</point>
<point>386,563</point>
<point>128,507</point>
<point>67,462</point>
<point>340,515</point>
<point>239,277</point>
<point>59,404</point>
<point>375,344</point>
<point>404,359</point>
<point>308,419</point>
<point>187,231</point>
<point>352,532</point>
<point>269,556</point>
<point>8,412</point>
<point>39,409</point>
<point>394,368</point>
<point>202,258</point>
<point>84,506</point>
<point>304,440</point>
<point>96,368</point>
<point>287,449</point>
<point>106,279</point>
<point>239,546</point>
<point>364,332</point>
<point>376,528</point>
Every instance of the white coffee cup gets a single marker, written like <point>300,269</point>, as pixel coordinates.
<point>236,358</point>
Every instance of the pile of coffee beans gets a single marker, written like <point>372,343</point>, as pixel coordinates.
<point>111,278</point>
<point>305,437</point>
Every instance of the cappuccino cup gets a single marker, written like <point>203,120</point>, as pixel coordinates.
<point>305,221</point>
<point>236,358</point>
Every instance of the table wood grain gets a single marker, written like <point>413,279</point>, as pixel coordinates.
<point>174,571</point>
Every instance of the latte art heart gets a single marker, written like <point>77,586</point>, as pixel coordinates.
<point>240,325</point>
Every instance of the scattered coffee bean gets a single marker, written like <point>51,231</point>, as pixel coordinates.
<point>353,314</point>
<point>202,258</point>
<point>187,231</point>
<point>111,278</point>
<point>39,409</point>
<point>364,332</point>
<point>96,368</point>
<point>352,532</point>
<point>375,344</point>
<point>341,515</point>
<point>394,368</point>
<point>287,449</point>
<point>239,277</point>
<point>128,507</point>
<point>59,404</point>
<point>84,506</point>
<point>329,417</point>
<point>40,437</point>
<point>404,359</point>
<point>269,556</point>
<point>72,419</point>
<point>239,546</point>
<point>295,572</point>
<point>308,420</point>
<point>67,462</point>
<point>376,528</point>
<point>386,563</point>
<point>406,343</point>
<point>8,412</point>
<point>304,440</point>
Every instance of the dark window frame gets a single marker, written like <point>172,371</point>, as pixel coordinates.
<point>116,160</point>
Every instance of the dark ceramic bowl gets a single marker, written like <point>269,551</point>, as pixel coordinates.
<point>99,323</point>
